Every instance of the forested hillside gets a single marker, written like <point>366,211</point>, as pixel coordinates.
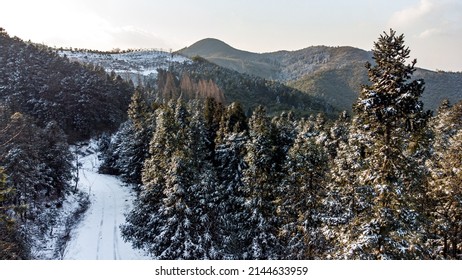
<point>35,81</point>
<point>173,75</point>
<point>249,91</point>
<point>46,102</point>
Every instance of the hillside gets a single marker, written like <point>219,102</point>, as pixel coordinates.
<point>198,78</point>
<point>334,74</point>
<point>84,101</point>
<point>46,103</point>
<point>224,55</point>
<point>130,65</point>
<point>248,90</point>
<point>282,66</point>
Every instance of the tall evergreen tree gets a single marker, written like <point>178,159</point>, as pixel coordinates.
<point>11,245</point>
<point>389,115</point>
<point>302,191</point>
<point>444,192</point>
<point>145,220</point>
<point>261,181</point>
<point>229,160</point>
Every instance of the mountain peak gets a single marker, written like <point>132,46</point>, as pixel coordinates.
<point>212,48</point>
<point>211,43</point>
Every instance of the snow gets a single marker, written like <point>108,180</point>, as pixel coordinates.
<point>97,236</point>
<point>130,64</point>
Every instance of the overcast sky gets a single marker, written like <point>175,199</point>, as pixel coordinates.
<point>433,28</point>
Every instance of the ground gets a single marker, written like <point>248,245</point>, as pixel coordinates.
<point>97,236</point>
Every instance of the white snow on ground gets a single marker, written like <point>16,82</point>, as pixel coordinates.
<point>97,236</point>
<point>130,64</point>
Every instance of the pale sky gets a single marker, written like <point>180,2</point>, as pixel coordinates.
<point>433,28</point>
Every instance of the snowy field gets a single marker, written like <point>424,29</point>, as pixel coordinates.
<point>97,236</point>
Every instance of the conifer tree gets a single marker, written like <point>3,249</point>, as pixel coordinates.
<point>203,190</point>
<point>261,180</point>
<point>136,146</point>
<point>11,245</point>
<point>444,192</point>
<point>389,114</point>
<point>145,221</point>
<point>54,152</point>
<point>233,120</point>
<point>302,191</point>
<point>229,160</point>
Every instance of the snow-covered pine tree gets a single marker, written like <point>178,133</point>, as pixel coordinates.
<point>189,203</point>
<point>346,196</point>
<point>23,165</point>
<point>135,148</point>
<point>301,192</point>
<point>389,114</point>
<point>261,179</point>
<point>233,120</point>
<point>444,192</point>
<point>145,221</point>
<point>175,214</point>
<point>337,134</point>
<point>11,244</point>
<point>213,112</point>
<point>229,164</point>
<point>203,189</point>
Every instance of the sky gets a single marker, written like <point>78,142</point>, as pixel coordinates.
<point>432,28</point>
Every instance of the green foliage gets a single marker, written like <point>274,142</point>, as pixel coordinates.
<point>444,204</point>
<point>230,86</point>
<point>389,116</point>
<point>83,101</point>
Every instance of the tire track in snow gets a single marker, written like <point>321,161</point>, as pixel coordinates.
<point>116,236</point>
<point>100,233</point>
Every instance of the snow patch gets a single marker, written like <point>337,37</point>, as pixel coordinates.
<point>128,65</point>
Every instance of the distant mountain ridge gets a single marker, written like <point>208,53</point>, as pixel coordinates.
<point>334,74</point>
<point>282,66</point>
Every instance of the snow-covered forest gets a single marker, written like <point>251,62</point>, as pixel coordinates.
<point>214,181</point>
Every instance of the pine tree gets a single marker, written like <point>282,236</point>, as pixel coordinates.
<point>55,154</point>
<point>389,115</point>
<point>229,164</point>
<point>260,188</point>
<point>233,120</point>
<point>175,214</point>
<point>204,189</point>
<point>444,192</point>
<point>302,191</point>
<point>145,221</point>
<point>11,245</point>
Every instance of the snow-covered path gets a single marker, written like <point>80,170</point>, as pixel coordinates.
<point>97,236</point>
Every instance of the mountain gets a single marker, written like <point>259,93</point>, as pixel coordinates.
<point>224,55</point>
<point>282,66</point>
<point>199,78</point>
<point>334,74</point>
<point>248,90</point>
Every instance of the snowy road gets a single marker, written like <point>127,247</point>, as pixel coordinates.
<point>97,236</point>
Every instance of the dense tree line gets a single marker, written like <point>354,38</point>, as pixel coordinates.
<point>84,101</point>
<point>214,183</point>
<point>46,102</point>
<point>36,167</point>
<point>204,79</point>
